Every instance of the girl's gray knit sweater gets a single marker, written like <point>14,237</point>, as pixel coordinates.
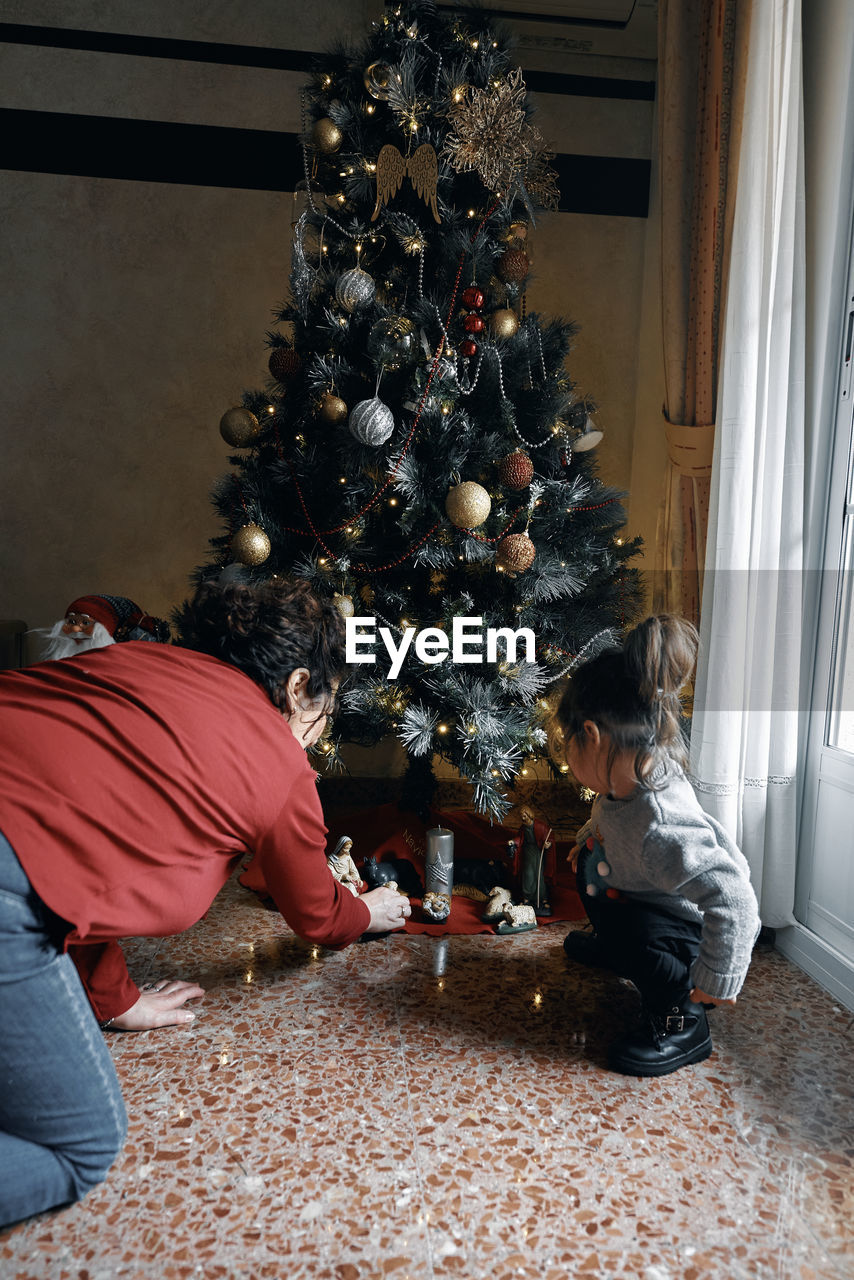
<point>662,849</point>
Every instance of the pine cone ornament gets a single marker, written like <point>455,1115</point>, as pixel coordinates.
<point>515,553</point>
<point>516,470</point>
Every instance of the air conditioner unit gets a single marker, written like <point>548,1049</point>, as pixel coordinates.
<point>611,11</point>
<point>607,28</point>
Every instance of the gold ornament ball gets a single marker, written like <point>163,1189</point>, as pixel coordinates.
<point>250,545</point>
<point>326,135</point>
<point>504,323</point>
<point>518,231</point>
<point>344,605</point>
<point>516,470</point>
<point>332,409</point>
<point>238,427</point>
<point>515,553</point>
<point>467,504</point>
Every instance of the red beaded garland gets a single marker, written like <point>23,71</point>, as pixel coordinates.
<point>473,323</point>
<point>472,297</point>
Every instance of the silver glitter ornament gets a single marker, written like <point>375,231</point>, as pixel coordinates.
<point>354,288</point>
<point>371,422</point>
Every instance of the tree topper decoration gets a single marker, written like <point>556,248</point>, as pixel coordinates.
<point>490,133</point>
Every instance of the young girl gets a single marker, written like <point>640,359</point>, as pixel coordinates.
<point>666,890</point>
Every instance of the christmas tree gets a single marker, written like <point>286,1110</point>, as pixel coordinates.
<point>421,453</point>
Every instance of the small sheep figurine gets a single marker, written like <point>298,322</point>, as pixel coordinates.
<point>498,899</point>
<point>517,919</point>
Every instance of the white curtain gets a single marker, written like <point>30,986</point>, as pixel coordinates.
<point>744,741</point>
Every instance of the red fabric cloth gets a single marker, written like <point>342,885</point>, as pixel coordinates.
<point>387,831</point>
<point>134,779</point>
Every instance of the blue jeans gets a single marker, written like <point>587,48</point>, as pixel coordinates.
<point>62,1119</point>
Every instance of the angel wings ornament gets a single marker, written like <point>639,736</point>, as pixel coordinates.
<point>392,167</point>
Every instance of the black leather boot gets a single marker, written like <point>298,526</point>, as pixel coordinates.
<point>666,1041</point>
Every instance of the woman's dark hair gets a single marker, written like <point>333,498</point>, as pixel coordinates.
<point>632,694</point>
<point>267,630</point>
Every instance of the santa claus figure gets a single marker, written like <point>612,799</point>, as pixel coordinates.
<point>91,622</point>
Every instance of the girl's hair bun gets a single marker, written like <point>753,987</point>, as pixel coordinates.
<point>632,694</point>
<point>660,655</point>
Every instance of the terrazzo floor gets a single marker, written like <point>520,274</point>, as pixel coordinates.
<point>418,1107</point>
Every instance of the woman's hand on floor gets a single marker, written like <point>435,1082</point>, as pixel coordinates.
<point>389,909</point>
<point>160,1005</point>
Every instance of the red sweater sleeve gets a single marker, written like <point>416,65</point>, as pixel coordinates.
<point>104,974</point>
<point>292,860</point>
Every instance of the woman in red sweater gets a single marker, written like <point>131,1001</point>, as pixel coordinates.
<point>133,780</point>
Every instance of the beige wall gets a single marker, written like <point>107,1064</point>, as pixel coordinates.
<point>135,312</point>
<point>135,316</point>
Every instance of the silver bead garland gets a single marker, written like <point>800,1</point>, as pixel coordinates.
<point>467,387</point>
<point>612,638</point>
